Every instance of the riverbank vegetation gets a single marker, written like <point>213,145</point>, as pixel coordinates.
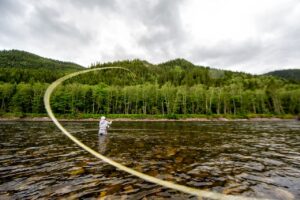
<point>150,99</point>
<point>173,89</point>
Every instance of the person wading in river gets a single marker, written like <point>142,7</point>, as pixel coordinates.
<point>103,126</point>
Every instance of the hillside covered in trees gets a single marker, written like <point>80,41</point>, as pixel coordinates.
<point>289,74</point>
<point>168,89</point>
<point>21,66</point>
<point>23,59</point>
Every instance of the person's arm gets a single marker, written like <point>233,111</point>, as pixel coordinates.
<point>108,124</point>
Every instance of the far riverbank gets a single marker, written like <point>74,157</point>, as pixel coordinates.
<point>128,117</point>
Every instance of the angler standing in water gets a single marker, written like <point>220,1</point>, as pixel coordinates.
<point>103,126</point>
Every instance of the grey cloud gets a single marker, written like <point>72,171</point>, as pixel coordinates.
<point>48,27</point>
<point>288,46</point>
<point>8,7</point>
<point>164,27</point>
<point>119,53</point>
<point>35,26</point>
<point>226,53</point>
<point>47,23</point>
<point>282,24</point>
<point>274,20</point>
<point>161,19</point>
<point>94,4</point>
<point>11,12</point>
<point>276,47</point>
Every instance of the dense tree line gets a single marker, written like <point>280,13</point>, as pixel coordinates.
<point>151,99</point>
<point>173,87</point>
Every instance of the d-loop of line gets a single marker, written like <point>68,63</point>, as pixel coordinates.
<point>171,185</point>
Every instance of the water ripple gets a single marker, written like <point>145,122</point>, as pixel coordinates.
<point>260,159</point>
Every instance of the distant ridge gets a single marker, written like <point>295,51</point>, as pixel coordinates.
<point>23,59</point>
<point>289,74</point>
<point>18,66</point>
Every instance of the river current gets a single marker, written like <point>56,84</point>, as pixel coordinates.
<point>253,159</point>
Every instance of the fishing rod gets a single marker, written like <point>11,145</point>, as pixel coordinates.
<point>189,190</point>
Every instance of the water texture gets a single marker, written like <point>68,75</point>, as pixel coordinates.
<point>254,159</point>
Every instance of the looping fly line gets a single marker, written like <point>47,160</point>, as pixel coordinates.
<point>168,184</point>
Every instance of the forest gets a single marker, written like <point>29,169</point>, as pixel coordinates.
<point>289,74</point>
<point>176,87</point>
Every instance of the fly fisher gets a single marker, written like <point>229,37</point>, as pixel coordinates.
<point>103,126</point>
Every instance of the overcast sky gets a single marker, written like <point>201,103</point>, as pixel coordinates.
<point>241,35</point>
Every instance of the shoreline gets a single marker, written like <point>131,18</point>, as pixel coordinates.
<point>47,119</point>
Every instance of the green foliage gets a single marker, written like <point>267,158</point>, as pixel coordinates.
<point>167,100</point>
<point>172,116</point>
<point>289,74</point>
<point>23,59</point>
<point>171,90</point>
<point>20,66</point>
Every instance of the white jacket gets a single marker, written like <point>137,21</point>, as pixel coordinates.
<point>103,125</point>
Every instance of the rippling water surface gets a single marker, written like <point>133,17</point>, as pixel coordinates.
<point>255,159</point>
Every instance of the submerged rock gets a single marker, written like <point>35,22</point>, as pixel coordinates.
<point>76,171</point>
<point>237,189</point>
<point>171,151</point>
<point>178,159</point>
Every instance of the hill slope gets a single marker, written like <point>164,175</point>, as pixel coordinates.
<point>21,59</point>
<point>21,66</point>
<point>173,87</point>
<point>289,74</point>
<point>176,72</point>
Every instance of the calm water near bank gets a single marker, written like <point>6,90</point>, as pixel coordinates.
<point>257,159</point>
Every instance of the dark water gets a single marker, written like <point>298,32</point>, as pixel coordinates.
<point>256,159</point>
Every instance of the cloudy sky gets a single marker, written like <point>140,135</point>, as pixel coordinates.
<point>240,35</point>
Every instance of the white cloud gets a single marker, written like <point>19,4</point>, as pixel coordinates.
<point>252,36</point>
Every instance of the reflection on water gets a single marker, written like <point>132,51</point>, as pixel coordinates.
<point>257,159</point>
<point>103,140</point>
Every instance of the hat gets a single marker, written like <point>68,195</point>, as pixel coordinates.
<point>102,118</point>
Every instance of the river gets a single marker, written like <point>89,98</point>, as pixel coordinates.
<point>253,159</point>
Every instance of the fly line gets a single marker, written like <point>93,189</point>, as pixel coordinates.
<point>189,190</point>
